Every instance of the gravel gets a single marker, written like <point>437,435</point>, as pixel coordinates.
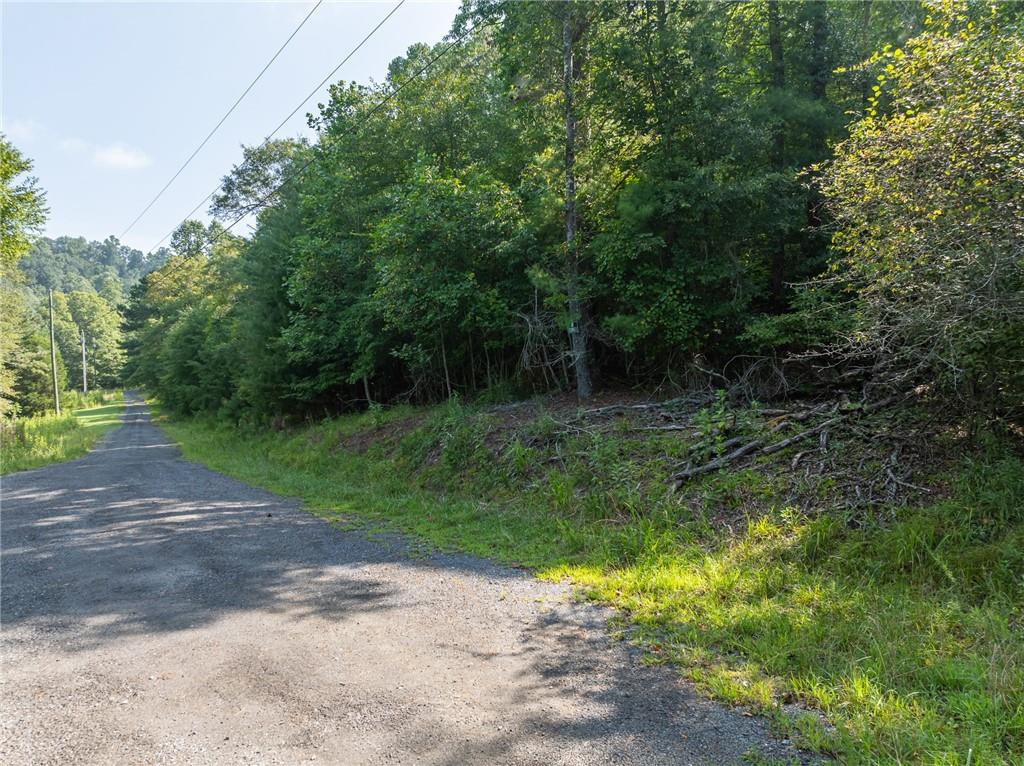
<point>156,612</point>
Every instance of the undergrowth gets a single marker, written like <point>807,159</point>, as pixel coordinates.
<point>882,634</point>
<point>42,439</point>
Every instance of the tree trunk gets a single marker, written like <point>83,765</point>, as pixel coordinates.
<point>820,71</point>
<point>577,326</point>
<point>444,362</point>
<point>778,69</point>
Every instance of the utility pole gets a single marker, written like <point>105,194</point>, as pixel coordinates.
<point>53,357</point>
<point>85,374</point>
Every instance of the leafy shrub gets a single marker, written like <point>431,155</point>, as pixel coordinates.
<point>926,193</point>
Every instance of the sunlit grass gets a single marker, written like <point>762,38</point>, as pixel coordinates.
<point>36,441</point>
<point>902,641</point>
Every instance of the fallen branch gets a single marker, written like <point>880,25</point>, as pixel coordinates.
<point>756,445</point>
<point>715,464</point>
<point>727,444</point>
<point>613,408</point>
<point>772,448</point>
<point>896,480</point>
<point>673,427</point>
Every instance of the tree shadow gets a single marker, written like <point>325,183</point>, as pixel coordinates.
<point>131,541</point>
<point>575,689</point>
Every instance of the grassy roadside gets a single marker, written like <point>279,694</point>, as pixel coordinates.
<point>36,441</point>
<point>893,638</point>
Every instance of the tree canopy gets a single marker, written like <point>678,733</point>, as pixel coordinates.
<point>623,193</point>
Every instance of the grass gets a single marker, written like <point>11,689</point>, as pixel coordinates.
<point>42,439</point>
<point>893,640</point>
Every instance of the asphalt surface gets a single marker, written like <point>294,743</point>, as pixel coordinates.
<point>156,612</point>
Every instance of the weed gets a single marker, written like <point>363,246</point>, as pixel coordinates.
<point>904,631</point>
<point>42,439</point>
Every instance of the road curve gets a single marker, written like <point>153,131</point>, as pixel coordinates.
<point>156,612</point>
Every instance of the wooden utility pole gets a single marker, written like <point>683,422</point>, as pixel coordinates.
<point>53,357</point>
<point>85,373</point>
<point>577,327</point>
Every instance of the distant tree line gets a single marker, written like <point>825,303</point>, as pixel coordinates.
<point>89,281</point>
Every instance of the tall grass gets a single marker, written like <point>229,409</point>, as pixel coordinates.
<point>900,638</point>
<point>42,439</point>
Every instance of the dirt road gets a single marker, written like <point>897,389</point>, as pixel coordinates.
<point>155,612</point>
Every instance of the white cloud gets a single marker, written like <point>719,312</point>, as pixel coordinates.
<point>21,131</point>
<point>120,157</point>
<point>74,145</point>
<point>113,156</point>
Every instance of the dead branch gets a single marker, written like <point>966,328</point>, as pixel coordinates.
<point>772,448</point>
<point>714,465</point>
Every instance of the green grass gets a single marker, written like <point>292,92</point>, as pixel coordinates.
<point>900,639</point>
<point>36,441</point>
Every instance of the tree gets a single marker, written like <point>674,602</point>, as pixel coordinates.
<point>22,212</point>
<point>255,183</point>
<point>22,207</point>
<point>190,239</point>
<point>101,323</point>
<point>578,335</point>
<point>927,192</point>
<point>450,269</point>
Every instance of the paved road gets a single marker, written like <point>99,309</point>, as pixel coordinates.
<point>156,612</point>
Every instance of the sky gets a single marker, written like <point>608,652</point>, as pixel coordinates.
<point>109,99</point>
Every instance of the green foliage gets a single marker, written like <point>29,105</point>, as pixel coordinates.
<point>26,384</point>
<point>89,280</point>
<point>22,213</point>
<point>69,264</point>
<point>901,629</point>
<point>22,209</point>
<point>420,252</point>
<point>105,355</point>
<point>256,180</point>
<point>30,442</point>
<point>181,337</point>
<point>926,192</point>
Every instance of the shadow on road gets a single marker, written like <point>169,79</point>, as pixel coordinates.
<point>132,543</point>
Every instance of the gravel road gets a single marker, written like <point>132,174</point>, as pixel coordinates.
<point>155,612</point>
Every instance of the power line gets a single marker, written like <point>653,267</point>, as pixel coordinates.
<point>380,105</point>
<point>291,114</point>
<point>222,119</point>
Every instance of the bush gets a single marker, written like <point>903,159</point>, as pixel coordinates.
<point>926,193</point>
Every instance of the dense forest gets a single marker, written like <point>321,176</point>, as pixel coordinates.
<point>89,282</point>
<point>566,196</point>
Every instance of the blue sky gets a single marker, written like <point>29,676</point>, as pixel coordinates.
<point>108,99</point>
